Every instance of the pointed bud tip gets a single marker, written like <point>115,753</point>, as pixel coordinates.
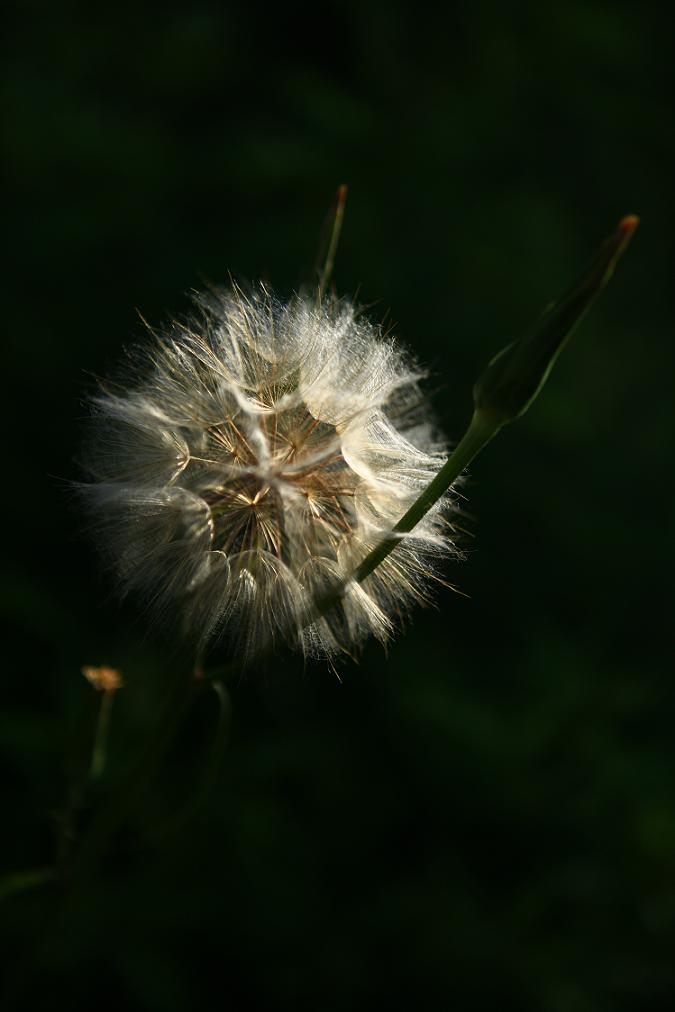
<point>628,224</point>
<point>515,376</point>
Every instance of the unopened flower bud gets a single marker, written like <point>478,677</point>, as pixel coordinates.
<point>517,373</point>
<point>103,679</point>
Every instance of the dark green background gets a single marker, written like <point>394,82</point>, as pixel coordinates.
<point>485,818</point>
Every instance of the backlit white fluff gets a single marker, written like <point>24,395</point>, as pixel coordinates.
<point>248,462</point>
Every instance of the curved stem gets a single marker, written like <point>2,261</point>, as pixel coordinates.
<point>479,432</point>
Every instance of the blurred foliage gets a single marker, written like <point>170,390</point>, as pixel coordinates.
<point>485,818</point>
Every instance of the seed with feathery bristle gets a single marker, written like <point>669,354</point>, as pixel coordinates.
<point>250,458</point>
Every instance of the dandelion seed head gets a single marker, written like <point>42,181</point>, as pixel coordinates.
<point>250,458</point>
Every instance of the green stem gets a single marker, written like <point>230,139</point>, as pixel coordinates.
<point>479,432</point>
<point>22,881</point>
<point>329,262</point>
<point>214,760</point>
<point>112,816</point>
<point>504,391</point>
<point>99,750</point>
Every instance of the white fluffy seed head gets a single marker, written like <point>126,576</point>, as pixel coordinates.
<point>250,459</point>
